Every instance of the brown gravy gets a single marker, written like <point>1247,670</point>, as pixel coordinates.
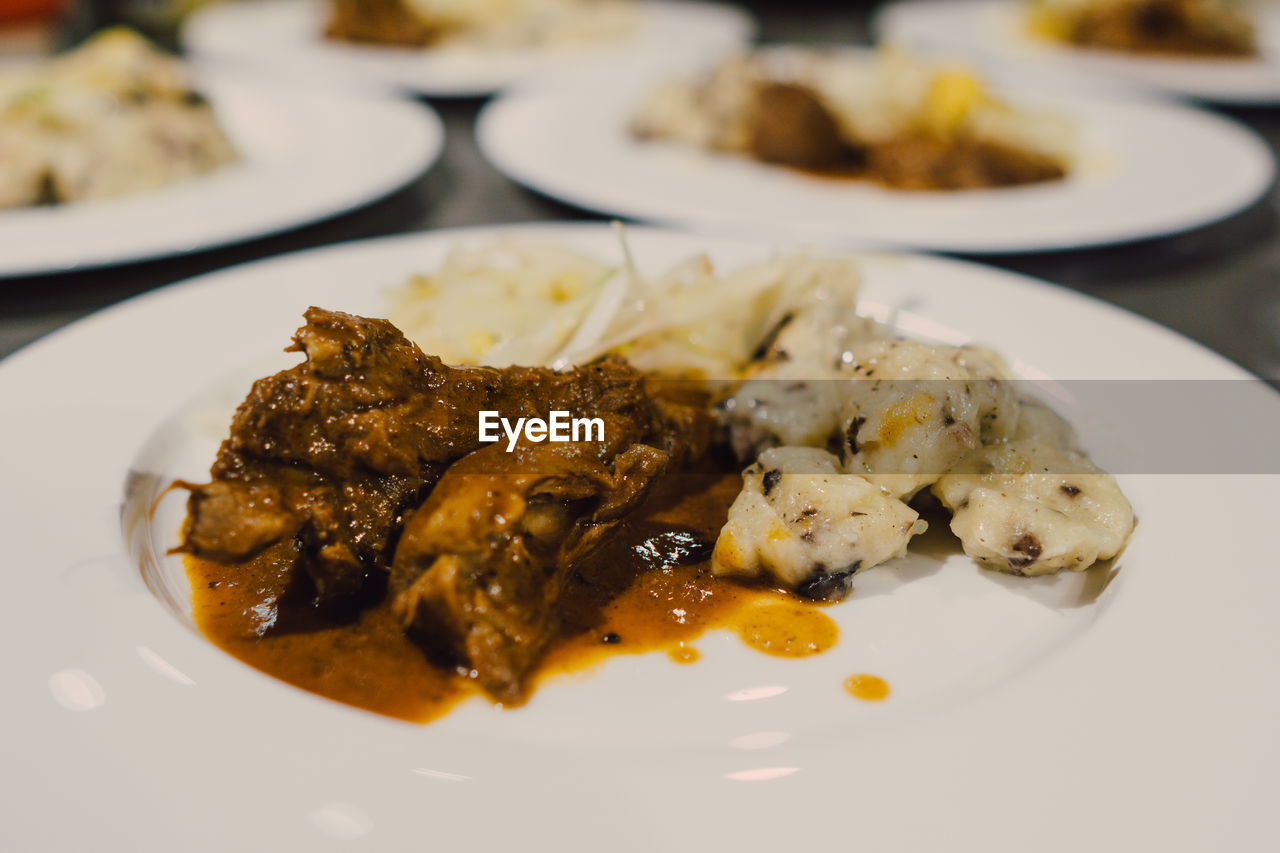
<point>915,164</point>
<point>624,601</point>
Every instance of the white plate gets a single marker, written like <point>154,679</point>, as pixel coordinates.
<point>288,36</point>
<point>571,142</point>
<point>1042,715</point>
<point>305,156</point>
<point>997,28</point>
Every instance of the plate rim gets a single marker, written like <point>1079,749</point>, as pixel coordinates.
<point>944,750</point>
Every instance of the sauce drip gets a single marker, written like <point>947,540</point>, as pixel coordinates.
<point>785,628</point>
<point>869,688</point>
<point>650,588</point>
<point>682,653</point>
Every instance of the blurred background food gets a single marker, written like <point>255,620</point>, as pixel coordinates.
<point>29,26</point>
<point>892,118</point>
<point>1219,284</point>
<point>61,22</point>
<point>26,10</point>
<point>515,23</point>
<point>1169,27</point>
<point>111,117</point>
<point>161,18</point>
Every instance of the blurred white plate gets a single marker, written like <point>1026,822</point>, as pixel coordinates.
<point>998,28</point>
<point>1143,170</point>
<point>1025,715</point>
<point>288,37</point>
<point>305,156</point>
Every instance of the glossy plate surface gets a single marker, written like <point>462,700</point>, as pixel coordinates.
<point>570,141</point>
<point>287,35</point>
<point>305,156</point>
<point>1024,715</point>
<point>998,28</point>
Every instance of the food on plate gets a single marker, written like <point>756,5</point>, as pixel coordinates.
<point>809,525</point>
<point>112,117</point>
<point>1211,28</point>
<point>516,302</point>
<point>480,23</point>
<point>366,457</point>
<point>903,123</point>
<point>481,565</point>
<point>376,542</point>
<point>903,416</point>
<point>1035,504</point>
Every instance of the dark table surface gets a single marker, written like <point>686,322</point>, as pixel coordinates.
<point>1219,285</point>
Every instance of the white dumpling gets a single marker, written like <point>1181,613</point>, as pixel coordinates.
<point>1029,508</point>
<point>793,392</point>
<point>915,409</point>
<point>1036,420</point>
<point>806,525</point>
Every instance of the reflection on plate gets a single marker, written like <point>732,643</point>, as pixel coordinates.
<point>288,35</point>
<point>571,142</point>
<point>997,28</point>
<point>304,156</point>
<point>1108,696</point>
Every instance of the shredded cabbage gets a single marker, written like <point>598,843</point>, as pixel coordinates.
<point>514,302</point>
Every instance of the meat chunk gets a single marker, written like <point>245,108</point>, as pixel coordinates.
<point>1178,27</point>
<point>332,452</point>
<point>342,528</point>
<point>922,162</point>
<point>791,126</point>
<point>380,22</point>
<point>481,564</point>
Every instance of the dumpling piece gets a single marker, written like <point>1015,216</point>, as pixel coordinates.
<point>914,409</point>
<point>1037,421</point>
<point>1029,508</point>
<point>794,390</point>
<point>800,522</point>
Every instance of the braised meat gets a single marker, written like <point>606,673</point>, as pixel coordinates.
<point>379,22</point>
<point>921,162</point>
<point>791,126</point>
<point>1176,27</point>
<point>332,454</point>
<point>481,564</point>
